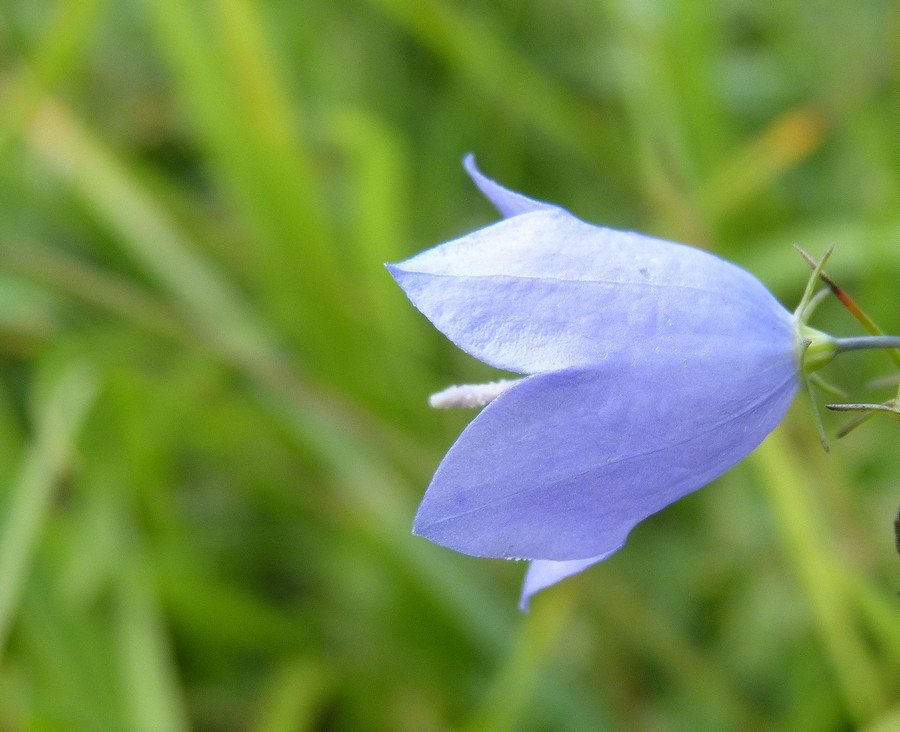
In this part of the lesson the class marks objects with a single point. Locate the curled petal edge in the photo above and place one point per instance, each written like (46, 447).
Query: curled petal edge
(507, 202)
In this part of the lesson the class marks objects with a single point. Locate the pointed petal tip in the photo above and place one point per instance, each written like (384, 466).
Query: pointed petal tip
(507, 202)
(396, 270)
(419, 527)
(430, 527)
(542, 574)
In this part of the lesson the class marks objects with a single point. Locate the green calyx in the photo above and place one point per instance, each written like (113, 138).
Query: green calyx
(816, 349)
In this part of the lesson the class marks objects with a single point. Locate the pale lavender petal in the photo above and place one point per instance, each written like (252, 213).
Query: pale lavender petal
(542, 573)
(507, 202)
(563, 465)
(544, 291)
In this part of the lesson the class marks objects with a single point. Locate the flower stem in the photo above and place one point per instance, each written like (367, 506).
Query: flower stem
(863, 342)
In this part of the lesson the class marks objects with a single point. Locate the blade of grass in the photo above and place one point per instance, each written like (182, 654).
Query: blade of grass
(64, 273)
(71, 683)
(688, 666)
(653, 107)
(511, 694)
(57, 421)
(467, 44)
(123, 299)
(309, 268)
(62, 41)
(783, 144)
(879, 612)
(378, 219)
(210, 303)
(293, 699)
(284, 166)
(696, 51)
(793, 500)
(148, 676)
(228, 81)
(888, 721)
(148, 232)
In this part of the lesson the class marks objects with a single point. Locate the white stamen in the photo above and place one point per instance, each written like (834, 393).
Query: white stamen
(469, 396)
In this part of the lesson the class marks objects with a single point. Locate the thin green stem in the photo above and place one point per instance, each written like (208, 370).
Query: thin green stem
(860, 343)
(888, 407)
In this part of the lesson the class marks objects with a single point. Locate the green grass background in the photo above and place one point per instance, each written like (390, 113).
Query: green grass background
(213, 420)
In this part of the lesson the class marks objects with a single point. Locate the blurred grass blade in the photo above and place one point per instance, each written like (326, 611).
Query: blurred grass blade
(148, 674)
(227, 78)
(887, 721)
(879, 611)
(512, 693)
(661, 149)
(378, 217)
(66, 274)
(785, 143)
(285, 171)
(57, 421)
(67, 35)
(147, 232)
(687, 665)
(796, 510)
(466, 42)
(156, 242)
(70, 653)
(293, 700)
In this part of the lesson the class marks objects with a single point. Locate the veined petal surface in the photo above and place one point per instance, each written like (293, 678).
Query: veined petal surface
(564, 464)
(544, 291)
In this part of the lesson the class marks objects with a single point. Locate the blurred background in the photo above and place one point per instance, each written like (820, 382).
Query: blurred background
(213, 422)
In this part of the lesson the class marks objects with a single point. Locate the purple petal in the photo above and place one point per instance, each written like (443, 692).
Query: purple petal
(507, 202)
(542, 573)
(544, 291)
(563, 465)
